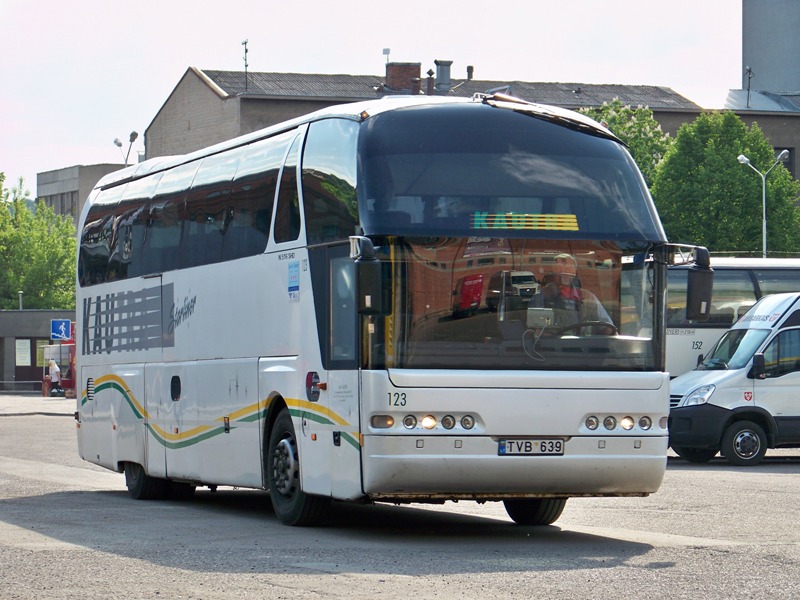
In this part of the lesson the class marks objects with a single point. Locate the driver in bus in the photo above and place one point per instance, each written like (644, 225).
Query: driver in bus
(561, 290)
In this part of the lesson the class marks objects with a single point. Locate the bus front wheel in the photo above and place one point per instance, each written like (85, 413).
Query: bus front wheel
(535, 511)
(292, 505)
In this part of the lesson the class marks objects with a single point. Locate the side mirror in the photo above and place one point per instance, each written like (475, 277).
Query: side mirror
(699, 286)
(369, 282)
(759, 369)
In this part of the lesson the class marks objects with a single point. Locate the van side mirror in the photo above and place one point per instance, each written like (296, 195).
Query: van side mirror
(369, 282)
(759, 370)
(699, 285)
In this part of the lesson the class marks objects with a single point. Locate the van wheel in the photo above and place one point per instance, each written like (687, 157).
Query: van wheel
(142, 486)
(535, 511)
(695, 455)
(744, 443)
(292, 505)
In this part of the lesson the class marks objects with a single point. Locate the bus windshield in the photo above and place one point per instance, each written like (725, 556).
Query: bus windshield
(505, 175)
(452, 303)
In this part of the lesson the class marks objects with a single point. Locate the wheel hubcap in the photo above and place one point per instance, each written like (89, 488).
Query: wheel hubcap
(284, 466)
(747, 444)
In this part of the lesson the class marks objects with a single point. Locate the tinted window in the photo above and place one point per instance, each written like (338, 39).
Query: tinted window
(329, 181)
(130, 227)
(208, 209)
(287, 216)
(733, 294)
(165, 219)
(475, 170)
(96, 237)
(252, 197)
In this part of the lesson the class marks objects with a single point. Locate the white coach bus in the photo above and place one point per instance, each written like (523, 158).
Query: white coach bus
(738, 284)
(276, 312)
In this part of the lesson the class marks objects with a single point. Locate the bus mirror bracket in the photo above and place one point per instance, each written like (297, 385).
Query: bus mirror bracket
(369, 281)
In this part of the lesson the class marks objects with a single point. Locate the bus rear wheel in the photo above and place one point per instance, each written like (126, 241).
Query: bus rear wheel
(535, 511)
(292, 505)
(142, 486)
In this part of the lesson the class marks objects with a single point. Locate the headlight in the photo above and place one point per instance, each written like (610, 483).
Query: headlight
(699, 395)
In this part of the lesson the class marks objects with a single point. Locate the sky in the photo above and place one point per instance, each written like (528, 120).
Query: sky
(76, 75)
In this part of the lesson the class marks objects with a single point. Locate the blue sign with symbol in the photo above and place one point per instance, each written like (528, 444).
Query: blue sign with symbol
(60, 329)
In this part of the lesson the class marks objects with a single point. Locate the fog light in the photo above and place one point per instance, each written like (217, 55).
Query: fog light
(645, 423)
(428, 422)
(627, 423)
(609, 423)
(448, 421)
(381, 421)
(592, 423)
(662, 422)
(467, 422)
(409, 421)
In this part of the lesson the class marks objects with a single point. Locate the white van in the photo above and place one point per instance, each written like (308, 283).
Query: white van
(745, 395)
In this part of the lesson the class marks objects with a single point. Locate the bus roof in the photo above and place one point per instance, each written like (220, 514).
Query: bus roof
(360, 111)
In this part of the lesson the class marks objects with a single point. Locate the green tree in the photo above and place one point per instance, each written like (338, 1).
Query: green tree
(37, 253)
(638, 129)
(705, 196)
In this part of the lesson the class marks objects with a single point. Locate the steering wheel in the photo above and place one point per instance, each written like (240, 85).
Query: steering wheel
(604, 325)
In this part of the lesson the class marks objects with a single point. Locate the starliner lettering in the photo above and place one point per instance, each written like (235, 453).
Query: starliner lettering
(487, 220)
(179, 315)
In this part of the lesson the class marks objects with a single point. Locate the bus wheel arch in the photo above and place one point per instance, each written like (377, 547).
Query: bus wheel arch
(291, 504)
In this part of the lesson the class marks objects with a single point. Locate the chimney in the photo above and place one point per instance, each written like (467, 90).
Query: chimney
(470, 72)
(429, 90)
(443, 76)
(403, 78)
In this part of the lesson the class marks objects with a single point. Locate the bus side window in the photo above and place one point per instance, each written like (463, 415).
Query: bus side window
(329, 181)
(287, 212)
(207, 213)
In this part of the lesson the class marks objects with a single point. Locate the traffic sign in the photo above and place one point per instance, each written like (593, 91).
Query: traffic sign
(60, 329)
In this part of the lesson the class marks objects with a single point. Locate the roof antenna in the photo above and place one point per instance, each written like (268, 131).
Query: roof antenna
(244, 43)
(749, 72)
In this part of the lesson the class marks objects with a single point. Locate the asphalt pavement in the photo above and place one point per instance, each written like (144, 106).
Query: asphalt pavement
(30, 404)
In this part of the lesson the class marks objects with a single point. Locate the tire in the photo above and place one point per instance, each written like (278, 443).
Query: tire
(695, 455)
(535, 511)
(142, 486)
(744, 443)
(292, 505)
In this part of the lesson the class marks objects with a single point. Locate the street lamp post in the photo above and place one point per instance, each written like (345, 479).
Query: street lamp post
(118, 144)
(746, 161)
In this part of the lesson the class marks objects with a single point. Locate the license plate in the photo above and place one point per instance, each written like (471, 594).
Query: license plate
(531, 447)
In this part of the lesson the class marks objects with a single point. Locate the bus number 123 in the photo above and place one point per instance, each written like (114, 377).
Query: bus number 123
(397, 398)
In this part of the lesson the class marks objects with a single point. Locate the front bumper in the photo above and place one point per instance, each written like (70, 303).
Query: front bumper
(697, 426)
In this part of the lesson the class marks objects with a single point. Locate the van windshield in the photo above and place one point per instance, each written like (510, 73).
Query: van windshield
(734, 349)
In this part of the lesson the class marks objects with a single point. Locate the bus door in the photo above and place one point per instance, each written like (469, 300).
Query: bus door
(342, 394)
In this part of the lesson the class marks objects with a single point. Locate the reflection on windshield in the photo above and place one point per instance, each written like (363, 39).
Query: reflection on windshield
(735, 349)
(514, 304)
